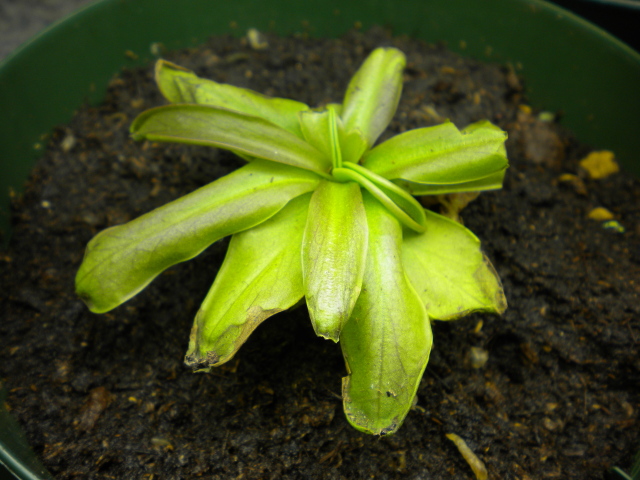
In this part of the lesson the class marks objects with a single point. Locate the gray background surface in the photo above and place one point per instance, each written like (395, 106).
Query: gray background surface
(21, 19)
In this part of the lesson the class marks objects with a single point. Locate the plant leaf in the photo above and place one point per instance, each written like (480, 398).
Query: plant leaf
(180, 85)
(387, 341)
(175, 81)
(218, 127)
(487, 125)
(394, 193)
(492, 182)
(449, 271)
(122, 260)
(315, 126)
(334, 251)
(352, 143)
(373, 94)
(440, 155)
(260, 276)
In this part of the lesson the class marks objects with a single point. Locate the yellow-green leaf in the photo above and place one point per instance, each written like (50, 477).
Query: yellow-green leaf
(218, 127)
(373, 94)
(450, 272)
(180, 85)
(404, 207)
(334, 252)
(440, 154)
(260, 276)
(315, 126)
(316, 129)
(172, 81)
(491, 182)
(352, 143)
(120, 261)
(387, 341)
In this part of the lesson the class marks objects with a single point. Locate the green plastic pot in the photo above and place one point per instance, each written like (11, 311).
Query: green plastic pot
(569, 65)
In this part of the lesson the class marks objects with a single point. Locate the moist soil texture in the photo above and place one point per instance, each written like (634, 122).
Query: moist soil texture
(108, 397)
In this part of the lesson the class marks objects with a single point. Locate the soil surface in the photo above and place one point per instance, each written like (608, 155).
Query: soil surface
(108, 397)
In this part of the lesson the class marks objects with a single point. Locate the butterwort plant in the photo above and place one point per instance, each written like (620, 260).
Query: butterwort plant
(319, 212)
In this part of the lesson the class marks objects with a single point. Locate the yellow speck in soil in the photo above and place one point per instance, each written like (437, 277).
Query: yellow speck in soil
(600, 164)
(600, 214)
(137, 103)
(257, 40)
(546, 116)
(478, 357)
(575, 181)
(162, 442)
(525, 109)
(614, 226)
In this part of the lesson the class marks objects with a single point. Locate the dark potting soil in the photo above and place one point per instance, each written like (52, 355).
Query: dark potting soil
(107, 396)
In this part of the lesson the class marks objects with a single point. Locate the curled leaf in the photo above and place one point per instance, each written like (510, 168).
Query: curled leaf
(385, 196)
(397, 195)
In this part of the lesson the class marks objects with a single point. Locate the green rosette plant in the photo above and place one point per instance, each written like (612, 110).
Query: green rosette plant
(319, 211)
